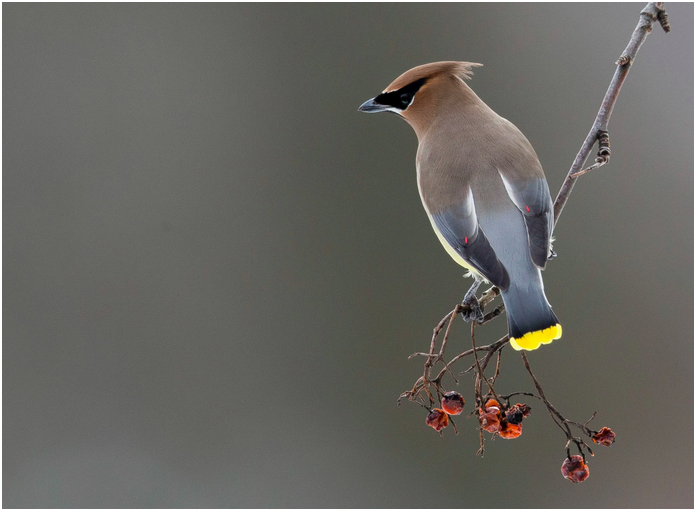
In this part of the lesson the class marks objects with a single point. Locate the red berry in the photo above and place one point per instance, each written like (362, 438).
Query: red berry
(604, 437)
(574, 469)
(452, 403)
(509, 431)
(490, 421)
(437, 419)
(492, 402)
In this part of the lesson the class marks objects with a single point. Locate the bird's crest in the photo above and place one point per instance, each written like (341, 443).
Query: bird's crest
(463, 70)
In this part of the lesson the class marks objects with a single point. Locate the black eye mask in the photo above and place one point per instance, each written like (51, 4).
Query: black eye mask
(402, 97)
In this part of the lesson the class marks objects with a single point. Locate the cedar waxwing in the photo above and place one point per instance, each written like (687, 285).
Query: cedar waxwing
(484, 191)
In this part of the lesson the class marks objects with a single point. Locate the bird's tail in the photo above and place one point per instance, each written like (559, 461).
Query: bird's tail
(530, 319)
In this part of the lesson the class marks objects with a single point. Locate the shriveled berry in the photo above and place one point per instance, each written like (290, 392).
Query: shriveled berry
(452, 403)
(525, 409)
(491, 402)
(604, 437)
(490, 421)
(509, 430)
(437, 419)
(514, 415)
(575, 469)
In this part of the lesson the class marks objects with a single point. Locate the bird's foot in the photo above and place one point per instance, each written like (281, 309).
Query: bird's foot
(472, 310)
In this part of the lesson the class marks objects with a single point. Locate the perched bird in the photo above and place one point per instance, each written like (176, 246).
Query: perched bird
(484, 191)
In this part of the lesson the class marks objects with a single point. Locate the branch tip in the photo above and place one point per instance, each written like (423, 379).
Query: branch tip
(654, 11)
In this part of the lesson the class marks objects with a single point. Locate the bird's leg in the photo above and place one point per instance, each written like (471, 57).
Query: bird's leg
(474, 311)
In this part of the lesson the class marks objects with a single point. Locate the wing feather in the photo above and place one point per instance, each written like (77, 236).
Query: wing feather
(532, 198)
(459, 227)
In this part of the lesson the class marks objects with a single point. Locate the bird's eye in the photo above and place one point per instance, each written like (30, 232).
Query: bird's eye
(405, 98)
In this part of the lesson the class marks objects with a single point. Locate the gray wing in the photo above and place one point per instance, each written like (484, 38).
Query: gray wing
(532, 198)
(459, 227)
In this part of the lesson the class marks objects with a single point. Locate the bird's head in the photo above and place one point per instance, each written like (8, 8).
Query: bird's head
(417, 94)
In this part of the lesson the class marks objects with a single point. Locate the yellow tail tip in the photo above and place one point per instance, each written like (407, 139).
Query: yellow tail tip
(532, 340)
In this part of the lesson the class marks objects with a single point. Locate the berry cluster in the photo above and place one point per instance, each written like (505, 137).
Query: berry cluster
(574, 468)
(506, 424)
(452, 404)
(494, 411)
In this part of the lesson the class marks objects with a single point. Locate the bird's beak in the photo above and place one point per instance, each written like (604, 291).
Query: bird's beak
(372, 107)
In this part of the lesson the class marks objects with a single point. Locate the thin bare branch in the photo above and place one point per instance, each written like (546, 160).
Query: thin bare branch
(649, 15)
(557, 416)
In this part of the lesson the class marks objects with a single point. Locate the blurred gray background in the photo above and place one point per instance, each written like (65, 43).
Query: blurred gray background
(215, 267)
